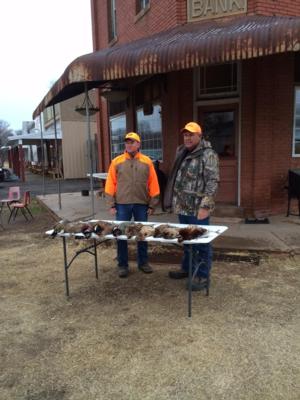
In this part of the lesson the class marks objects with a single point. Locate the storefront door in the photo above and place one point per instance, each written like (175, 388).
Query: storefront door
(220, 125)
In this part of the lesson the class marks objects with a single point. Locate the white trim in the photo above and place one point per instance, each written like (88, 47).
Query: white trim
(294, 124)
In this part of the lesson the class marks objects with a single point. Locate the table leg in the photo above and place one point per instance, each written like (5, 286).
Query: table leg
(66, 266)
(96, 258)
(190, 280)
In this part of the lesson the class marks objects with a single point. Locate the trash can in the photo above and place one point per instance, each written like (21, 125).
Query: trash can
(293, 188)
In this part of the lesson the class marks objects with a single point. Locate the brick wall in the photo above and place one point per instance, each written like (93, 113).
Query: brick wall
(267, 131)
(177, 110)
(162, 15)
(274, 7)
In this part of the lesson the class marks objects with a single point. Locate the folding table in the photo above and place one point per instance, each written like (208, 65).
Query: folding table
(213, 231)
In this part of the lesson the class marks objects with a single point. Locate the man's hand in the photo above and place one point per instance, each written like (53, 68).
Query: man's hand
(113, 210)
(150, 211)
(203, 213)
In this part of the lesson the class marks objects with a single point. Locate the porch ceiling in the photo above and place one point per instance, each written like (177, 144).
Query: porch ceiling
(182, 47)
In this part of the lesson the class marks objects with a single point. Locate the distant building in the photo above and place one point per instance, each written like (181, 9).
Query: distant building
(71, 139)
(73, 148)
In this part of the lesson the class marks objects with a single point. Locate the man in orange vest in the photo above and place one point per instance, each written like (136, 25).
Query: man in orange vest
(132, 190)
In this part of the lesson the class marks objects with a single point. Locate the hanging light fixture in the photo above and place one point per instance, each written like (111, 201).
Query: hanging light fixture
(87, 102)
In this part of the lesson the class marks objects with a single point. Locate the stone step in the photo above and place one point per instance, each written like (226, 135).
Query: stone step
(228, 211)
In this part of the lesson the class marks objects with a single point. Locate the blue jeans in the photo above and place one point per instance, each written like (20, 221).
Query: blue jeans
(124, 213)
(202, 253)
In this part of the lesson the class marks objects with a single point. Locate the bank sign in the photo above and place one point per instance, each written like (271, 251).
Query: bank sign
(204, 9)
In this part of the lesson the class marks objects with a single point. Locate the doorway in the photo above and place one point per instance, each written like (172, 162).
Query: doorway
(220, 126)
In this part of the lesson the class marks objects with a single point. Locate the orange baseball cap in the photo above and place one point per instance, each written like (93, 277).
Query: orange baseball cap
(192, 127)
(133, 136)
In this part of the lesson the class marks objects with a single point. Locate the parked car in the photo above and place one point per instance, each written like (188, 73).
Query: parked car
(7, 175)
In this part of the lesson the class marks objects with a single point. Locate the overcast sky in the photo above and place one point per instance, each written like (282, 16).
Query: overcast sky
(38, 40)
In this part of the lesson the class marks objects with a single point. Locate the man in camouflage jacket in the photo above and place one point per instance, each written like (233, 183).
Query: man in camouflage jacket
(190, 192)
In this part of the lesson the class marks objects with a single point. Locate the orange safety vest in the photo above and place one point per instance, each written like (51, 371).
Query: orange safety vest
(132, 180)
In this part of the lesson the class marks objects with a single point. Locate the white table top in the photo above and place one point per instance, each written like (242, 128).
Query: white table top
(99, 175)
(213, 231)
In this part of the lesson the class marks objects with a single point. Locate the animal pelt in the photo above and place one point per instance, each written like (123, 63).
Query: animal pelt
(79, 227)
(119, 229)
(59, 227)
(166, 231)
(87, 229)
(102, 228)
(191, 232)
(133, 230)
(145, 231)
(128, 229)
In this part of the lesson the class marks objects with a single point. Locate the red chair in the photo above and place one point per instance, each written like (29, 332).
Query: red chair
(21, 205)
(13, 195)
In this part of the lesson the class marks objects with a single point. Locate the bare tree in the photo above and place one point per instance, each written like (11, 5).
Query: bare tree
(5, 132)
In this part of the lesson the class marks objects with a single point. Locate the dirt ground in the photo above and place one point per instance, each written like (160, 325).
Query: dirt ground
(131, 338)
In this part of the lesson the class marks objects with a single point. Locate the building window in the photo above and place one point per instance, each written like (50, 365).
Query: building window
(111, 18)
(219, 128)
(296, 135)
(150, 128)
(217, 81)
(49, 116)
(117, 133)
(141, 5)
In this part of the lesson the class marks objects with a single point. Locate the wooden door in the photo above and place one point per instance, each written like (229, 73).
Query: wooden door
(220, 126)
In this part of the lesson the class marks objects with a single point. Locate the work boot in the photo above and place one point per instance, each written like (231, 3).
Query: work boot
(181, 274)
(146, 268)
(123, 272)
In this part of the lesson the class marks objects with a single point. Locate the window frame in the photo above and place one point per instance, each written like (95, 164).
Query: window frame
(225, 94)
(294, 154)
(112, 21)
(141, 5)
(144, 151)
(141, 9)
(110, 118)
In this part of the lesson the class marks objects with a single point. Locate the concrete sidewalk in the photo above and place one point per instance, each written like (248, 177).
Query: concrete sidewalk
(281, 235)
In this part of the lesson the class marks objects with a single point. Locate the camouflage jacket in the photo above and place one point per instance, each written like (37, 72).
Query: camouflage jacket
(196, 180)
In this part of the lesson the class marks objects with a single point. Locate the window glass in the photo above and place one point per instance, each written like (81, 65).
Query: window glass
(296, 136)
(219, 128)
(217, 80)
(112, 28)
(141, 5)
(150, 129)
(117, 132)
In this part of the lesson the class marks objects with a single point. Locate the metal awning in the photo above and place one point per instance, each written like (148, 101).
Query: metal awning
(31, 138)
(183, 47)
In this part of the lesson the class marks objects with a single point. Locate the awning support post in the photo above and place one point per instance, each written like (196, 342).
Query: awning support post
(87, 113)
(57, 158)
(43, 154)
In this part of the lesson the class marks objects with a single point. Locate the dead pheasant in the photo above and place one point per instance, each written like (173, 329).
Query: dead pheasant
(191, 232)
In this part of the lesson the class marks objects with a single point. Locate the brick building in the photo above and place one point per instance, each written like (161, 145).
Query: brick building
(231, 65)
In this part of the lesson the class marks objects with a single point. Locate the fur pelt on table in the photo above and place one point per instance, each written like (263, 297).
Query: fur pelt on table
(129, 229)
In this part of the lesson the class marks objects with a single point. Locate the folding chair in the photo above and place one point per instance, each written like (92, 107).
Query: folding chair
(21, 205)
(13, 195)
